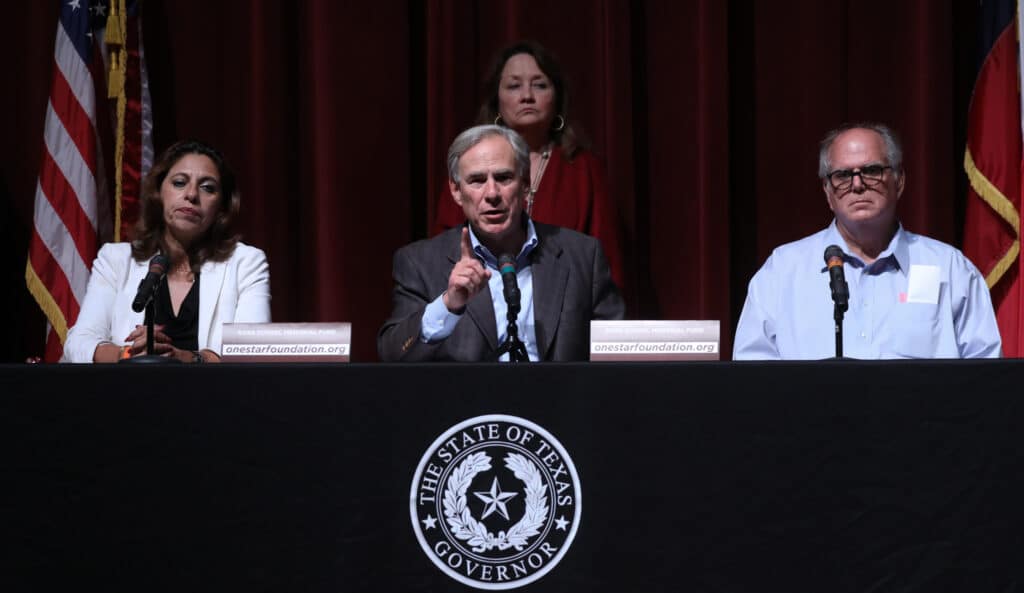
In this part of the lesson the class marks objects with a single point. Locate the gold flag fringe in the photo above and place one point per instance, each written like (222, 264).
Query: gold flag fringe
(117, 42)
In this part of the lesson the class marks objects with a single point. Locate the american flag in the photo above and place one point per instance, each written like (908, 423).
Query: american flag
(72, 206)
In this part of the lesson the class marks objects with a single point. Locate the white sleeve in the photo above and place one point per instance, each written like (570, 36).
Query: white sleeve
(438, 322)
(253, 287)
(755, 333)
(977, 333)
(93, 325)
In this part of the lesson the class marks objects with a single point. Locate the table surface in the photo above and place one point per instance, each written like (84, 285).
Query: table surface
(701, 476)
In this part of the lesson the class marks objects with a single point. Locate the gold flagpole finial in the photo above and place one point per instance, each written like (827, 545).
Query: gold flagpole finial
(115, 32)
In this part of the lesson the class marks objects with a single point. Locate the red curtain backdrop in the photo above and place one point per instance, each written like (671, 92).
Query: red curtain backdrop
(337, 116)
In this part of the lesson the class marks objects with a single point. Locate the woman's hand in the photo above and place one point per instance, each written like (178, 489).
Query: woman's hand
(137, 341)
(181, 355)
(162, 345)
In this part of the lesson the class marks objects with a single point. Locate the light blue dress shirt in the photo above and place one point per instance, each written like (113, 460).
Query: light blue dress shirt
(438, 322)
(788, 313)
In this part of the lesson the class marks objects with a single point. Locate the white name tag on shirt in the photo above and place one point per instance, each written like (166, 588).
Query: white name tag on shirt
(286, 342)
(923, 286)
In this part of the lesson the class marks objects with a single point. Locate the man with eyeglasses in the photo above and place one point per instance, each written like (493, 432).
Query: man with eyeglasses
(909, 296)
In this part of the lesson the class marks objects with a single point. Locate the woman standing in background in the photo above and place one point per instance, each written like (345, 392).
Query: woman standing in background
(526, 91)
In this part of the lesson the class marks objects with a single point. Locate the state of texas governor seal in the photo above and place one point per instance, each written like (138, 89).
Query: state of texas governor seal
(495, 502)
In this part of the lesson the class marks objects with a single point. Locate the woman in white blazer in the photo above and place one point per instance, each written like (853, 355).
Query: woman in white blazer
(188, 204)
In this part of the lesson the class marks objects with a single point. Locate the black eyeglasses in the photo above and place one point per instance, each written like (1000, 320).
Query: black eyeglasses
(870, 176)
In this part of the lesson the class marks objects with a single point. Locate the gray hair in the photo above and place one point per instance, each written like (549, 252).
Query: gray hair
(473, 136)
(893, 148)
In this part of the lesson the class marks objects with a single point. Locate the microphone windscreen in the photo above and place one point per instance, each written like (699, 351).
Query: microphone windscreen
(833, 252)
(159, 264)
(506, 263)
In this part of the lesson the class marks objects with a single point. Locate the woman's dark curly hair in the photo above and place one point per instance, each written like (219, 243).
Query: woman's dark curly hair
(218, 243)
(566, 137)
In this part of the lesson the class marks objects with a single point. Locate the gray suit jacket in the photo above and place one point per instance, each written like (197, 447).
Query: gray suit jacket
(571, 285)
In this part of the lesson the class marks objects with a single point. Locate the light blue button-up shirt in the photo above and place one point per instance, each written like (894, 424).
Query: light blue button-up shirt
(438, 322)
(920, 299)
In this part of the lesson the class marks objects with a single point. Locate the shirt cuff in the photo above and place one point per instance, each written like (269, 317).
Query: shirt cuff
(438, 322)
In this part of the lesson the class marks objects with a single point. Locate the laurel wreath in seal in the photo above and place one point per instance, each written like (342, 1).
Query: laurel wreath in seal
(466, 528)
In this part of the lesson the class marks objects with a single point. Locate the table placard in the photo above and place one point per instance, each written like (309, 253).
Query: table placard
(655, 340)
(286, 342)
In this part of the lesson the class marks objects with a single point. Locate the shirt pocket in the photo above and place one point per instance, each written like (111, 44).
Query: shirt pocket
(914, 329)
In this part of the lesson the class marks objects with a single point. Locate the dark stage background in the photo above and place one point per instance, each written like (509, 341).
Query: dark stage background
(337, 115)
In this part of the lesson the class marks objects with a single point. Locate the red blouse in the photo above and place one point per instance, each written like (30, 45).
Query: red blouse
(572, 194)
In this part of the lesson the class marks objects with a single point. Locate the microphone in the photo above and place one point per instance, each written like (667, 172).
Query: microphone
(513, 345)
(507, 267)
(837, 279)
(147, 288)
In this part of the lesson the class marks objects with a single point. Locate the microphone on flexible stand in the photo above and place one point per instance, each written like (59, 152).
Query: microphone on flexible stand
(144, 300)
(510, 288)
(147, 288)
(834, 258)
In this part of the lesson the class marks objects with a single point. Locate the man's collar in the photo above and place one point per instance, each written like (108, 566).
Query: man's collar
(898, 248)
(522, 258)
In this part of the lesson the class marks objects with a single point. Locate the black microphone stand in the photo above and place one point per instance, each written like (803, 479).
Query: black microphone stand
(150, 357)
(834, 261)
(513, 345)
(838, 315)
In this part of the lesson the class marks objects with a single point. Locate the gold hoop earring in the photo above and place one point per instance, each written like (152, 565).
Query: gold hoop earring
(561, 124)
(497, 120)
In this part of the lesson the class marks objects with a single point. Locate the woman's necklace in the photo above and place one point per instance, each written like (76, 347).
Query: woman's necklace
(183, 271)
(545, 155)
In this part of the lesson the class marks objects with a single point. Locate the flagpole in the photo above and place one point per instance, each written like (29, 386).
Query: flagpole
(116, 35)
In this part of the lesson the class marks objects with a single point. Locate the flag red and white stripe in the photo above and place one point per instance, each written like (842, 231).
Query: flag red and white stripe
(72, 205)
(65, 235)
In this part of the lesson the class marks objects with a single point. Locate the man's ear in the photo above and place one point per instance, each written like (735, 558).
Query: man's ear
(828, 197)
(456, 194)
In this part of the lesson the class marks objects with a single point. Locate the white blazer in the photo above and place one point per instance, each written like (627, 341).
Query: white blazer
(236, 290)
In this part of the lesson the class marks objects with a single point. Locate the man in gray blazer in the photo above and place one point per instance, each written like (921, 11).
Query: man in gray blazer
(448, 302)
